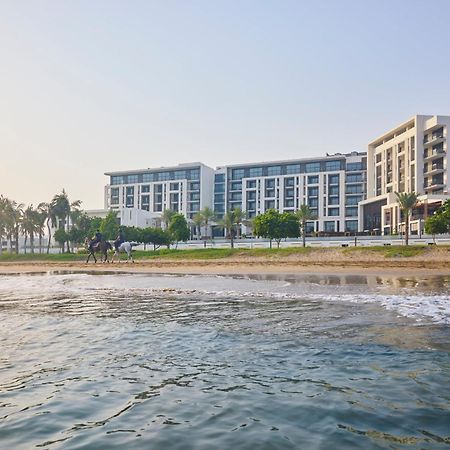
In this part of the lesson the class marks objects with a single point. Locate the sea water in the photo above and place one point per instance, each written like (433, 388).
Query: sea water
(106, 361)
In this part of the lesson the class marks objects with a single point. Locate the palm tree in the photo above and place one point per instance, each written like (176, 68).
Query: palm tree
(303, 215)
(207, 215)
(48, 210)
(228, 222)
(166, 216)
(14, 212)
(239, 217)
(28, 226)
(198, 222)
(407, 202)
(62, 210)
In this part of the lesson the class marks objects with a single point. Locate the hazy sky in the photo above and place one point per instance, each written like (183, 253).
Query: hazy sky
(93, 86)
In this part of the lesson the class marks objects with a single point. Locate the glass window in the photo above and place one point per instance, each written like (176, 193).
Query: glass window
(332, 165)
(333, 200)
(270, 183)
(312, 167)
(236, 186)
(117, 180)
(353, 189)
(329, 225)
(333, 190)
(132, 179)
(289, 192)
(333, 211)
(237, 174)
(355, 166)
(292, 168)
(194, 174)
(145, 199)
(313, 179)
(333, 179)
(130, 190)
(174, 186)
(194, 196)
(289, 181)
(219, 207)
(351, 212)
(255, 172)
(313, 202)
(251, 184)
(351, 225)
(251, 206)
(274, 170)
(194, 186)
(218, 198)
(355, 178)
(270, 204)
(313, 192)
(145, 188)
(251, 195)
(219, 178)
(353, 200)
(180, 175)
(289, 203)
(114, 196)
(219, 187)
(146, 177)
(236, 196)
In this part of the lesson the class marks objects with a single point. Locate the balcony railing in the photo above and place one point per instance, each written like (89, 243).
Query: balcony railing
(433, 140)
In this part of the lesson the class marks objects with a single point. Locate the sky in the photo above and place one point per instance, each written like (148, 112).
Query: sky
(91, 86)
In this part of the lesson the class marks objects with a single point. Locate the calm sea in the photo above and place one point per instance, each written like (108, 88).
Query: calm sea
(101, 361)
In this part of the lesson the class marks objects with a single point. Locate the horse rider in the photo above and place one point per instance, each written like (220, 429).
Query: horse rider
(119, 240)
(96, 239)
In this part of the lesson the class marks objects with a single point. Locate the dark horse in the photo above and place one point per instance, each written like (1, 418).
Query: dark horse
(100, 247)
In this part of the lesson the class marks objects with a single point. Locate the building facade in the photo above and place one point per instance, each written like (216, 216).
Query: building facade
(412, 157)
(140, 196)
(331, 186)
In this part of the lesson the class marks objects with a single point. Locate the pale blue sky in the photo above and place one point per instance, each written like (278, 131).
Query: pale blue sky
(94, 86)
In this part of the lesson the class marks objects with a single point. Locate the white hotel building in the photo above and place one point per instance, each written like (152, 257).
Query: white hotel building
(413, 157)
(332, 186)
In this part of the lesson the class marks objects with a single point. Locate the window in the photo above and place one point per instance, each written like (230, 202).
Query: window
(312, 167)
(270, 204)
(145, 188)
(356, 189)
(251, 184)
(194, 186)
(194, 174)
(313, 192)
(333, 200)
(129, 201)
(313, 179)
(351, 212)
(292, 168)
(289, 181)
(236, 196)
(355, 178)
(237, 174)
(219, 198)
(333, 190)
(179, 175)
(313, 202)
(353, 200)
(117, 180)
(145, 200)
(236, 186)
(251, 206)
(174, 186)
(255, 172)
(146, 177)
(274, 170)
(289, 203)
(333, 211)
(329, 226)
(333, 179)
(132, 179)
(220, 207)
(332, 165)
(351, 225)
(355, 166)
(114, 196)
(194, 196)
(251, 195)
(219, 178)
(270, 183)
(289, 192)
(219, 187)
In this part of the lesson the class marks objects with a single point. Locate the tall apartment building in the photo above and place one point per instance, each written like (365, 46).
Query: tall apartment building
(412, 157)
(140, 196)
(331, 186)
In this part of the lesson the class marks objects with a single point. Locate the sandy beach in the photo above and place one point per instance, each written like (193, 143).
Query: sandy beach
(434, 262)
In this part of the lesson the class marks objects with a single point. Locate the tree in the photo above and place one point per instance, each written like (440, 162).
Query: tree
(436, 224)
(228, 223)
(61, 237)
(407, 202)
(62, 208)
(29, 226)
(50, 219)
(276, 226)
(239, 217)
(178, 228)
(207, 215)
(198, 222)
(109, 226)
(166, 217)
(304, 214)
(160, 237)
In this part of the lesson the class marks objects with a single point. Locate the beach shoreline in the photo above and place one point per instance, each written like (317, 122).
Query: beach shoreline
(403, 267)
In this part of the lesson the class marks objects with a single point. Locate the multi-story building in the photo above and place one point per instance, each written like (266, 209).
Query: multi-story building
(331, 186)
(140, 196)
(412, 157)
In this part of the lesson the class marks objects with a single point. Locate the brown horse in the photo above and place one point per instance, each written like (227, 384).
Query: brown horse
(101, 247)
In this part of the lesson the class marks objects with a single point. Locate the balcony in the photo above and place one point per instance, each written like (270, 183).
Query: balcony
(436, 153)
(434, 170)
(435, 139)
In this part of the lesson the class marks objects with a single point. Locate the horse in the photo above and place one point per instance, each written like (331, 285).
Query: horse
(125, 247)
(101, 247)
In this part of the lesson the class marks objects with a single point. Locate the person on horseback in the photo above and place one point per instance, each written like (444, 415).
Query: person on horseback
(119, 240)
(96, 239)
